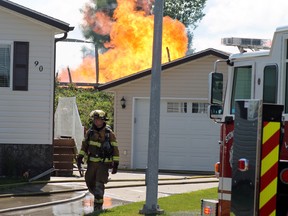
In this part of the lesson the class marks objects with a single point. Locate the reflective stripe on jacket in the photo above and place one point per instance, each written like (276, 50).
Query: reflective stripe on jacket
(92, 143)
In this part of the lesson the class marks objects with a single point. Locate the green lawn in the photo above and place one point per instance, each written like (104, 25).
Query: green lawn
(176, 205)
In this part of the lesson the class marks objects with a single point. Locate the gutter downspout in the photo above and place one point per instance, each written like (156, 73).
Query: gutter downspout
(54, 84)
(56, 40)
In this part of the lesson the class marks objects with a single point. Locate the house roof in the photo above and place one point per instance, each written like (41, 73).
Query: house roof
(35, 15)
(166, 66)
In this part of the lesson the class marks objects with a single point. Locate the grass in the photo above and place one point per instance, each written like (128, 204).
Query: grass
(176, 205)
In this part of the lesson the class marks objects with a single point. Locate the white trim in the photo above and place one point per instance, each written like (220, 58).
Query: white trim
(11, 43)
(230, 80)
(52, 84)
(224, 188)
(132, 128)
(225, 184)
(224, 196)
(249, 55)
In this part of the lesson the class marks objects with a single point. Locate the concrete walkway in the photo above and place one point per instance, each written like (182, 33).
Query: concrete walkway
(70, 194)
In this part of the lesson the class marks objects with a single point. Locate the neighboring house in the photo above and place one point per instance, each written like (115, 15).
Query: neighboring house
(188, 138)
(27, 71)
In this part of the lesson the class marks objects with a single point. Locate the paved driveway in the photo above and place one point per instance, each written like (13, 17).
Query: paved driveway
(77, 197)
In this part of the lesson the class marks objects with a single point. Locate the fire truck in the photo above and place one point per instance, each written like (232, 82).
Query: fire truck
(251, 105)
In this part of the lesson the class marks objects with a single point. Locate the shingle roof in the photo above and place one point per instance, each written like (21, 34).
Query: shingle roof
(35, 15)
(177, 62)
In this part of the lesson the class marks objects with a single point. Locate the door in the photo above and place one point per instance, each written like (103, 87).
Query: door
(188, 138)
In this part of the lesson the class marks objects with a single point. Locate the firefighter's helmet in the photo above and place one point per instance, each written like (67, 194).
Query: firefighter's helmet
(98, 114)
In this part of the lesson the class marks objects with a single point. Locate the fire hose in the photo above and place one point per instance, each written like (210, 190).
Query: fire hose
(85, 191)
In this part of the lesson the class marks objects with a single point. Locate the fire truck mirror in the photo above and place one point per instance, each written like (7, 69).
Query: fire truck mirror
(215, 88)
(215, 111)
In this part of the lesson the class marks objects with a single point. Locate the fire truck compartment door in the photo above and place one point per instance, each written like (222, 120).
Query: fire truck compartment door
(245, 149)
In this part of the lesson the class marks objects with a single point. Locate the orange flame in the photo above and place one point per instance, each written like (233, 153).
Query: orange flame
(131, 44)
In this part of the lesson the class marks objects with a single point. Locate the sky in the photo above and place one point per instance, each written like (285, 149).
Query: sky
(224, 18)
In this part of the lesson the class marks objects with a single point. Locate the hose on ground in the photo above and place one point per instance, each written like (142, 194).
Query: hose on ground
(82, 195)
(42, 193)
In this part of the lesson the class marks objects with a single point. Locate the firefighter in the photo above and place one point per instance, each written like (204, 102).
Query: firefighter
(101, 148)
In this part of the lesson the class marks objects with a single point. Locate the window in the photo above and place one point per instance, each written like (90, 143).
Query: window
(270, 84)
(20, 60)
(241, 85)
(176, 107)
(199, 107)
(5, 64)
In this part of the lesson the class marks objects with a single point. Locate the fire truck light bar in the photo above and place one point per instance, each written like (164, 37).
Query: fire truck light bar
(247, 43)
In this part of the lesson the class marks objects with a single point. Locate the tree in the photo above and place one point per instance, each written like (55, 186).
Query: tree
(189, 13)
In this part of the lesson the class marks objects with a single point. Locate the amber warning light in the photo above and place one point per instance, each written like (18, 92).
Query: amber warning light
(209, 207)
(207, 210)
(217, 169)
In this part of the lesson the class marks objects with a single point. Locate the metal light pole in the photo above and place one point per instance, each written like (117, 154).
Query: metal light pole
(151, 207)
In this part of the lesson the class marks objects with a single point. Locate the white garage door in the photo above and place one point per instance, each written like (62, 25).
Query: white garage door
(188, 138)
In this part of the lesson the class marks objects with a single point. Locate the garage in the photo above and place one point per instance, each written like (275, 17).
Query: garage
(188, 138)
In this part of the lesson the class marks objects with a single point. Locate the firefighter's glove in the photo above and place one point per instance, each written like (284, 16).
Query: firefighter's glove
(114, 167)
(80, 160)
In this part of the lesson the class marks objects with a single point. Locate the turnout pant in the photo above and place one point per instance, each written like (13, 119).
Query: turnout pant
(96, 177)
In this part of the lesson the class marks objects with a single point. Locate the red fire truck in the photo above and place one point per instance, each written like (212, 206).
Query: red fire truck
(252, 108)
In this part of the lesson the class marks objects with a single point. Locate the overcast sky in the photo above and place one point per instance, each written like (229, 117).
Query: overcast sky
(224, 18)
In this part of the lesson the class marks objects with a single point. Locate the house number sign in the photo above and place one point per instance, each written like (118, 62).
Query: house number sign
(40, 67)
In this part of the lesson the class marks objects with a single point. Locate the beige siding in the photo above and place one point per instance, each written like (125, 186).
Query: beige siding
(30, 113)
(189, 80)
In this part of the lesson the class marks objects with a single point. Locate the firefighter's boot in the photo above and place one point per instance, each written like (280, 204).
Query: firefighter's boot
(98, 206)
(98, 197)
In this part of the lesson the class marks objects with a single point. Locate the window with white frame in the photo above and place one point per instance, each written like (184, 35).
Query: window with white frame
(199, 107)
(5, 64)
(14, 65)
(177, 107)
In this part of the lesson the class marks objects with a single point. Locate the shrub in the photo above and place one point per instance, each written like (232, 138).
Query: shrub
(87, 99)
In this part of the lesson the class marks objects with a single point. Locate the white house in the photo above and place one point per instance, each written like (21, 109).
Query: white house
(188, 138)
(27, 68)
